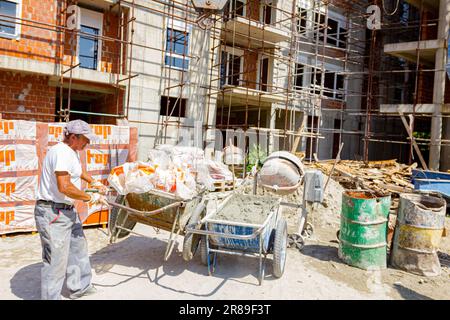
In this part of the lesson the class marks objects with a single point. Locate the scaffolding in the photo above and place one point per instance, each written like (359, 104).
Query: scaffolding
(322, 77)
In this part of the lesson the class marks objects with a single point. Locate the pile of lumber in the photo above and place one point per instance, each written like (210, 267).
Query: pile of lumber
(382, 177)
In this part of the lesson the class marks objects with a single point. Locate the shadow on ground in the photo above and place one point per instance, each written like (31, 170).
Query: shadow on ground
(320, 252)
(444, 259)
(26, 283)
(146, 254)
(409, 294)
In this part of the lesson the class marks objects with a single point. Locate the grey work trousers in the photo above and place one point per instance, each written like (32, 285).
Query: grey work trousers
(64, 251)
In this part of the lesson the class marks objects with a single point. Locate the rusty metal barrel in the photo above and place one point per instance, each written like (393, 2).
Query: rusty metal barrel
(420, 223)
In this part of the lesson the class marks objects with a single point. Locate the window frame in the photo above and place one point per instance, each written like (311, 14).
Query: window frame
(230, 10)
(303, 33)
(269, 84)
(234, 52)
(312, 17)
(339, 96)
(341, 25)
(179, 26)
(91, 19)
(17, 26)
(273, 6)
(181, 101)
(299, 65)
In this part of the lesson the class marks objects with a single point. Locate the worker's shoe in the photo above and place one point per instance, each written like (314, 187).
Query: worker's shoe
(89, 291)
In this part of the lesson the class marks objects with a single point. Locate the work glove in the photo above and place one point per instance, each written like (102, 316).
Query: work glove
(97, 199)
(99, 186)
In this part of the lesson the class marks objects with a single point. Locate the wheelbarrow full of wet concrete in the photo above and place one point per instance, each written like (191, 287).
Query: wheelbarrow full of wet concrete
(244, 225)
(161, 210)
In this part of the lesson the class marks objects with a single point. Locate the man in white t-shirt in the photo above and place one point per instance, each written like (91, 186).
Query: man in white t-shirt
(64, 246)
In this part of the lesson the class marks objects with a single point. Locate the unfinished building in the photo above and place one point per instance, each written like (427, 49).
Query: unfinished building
(307, 75)
(413, 82)
(49, 71)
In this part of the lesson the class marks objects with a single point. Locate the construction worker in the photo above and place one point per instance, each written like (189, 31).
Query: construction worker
(64, 246)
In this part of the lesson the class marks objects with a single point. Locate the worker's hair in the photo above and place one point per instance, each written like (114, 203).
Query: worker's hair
(68, 134)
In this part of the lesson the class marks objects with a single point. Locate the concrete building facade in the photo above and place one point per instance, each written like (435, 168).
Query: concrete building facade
(426, 54)
(37, 52)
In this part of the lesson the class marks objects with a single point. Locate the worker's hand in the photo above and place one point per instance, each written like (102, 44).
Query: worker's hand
(97, 198)
(99, 186)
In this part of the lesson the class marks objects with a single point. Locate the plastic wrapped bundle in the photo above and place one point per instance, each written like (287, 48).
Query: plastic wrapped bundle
(141, 177)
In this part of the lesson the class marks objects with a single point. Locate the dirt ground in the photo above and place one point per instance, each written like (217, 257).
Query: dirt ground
(133, 268)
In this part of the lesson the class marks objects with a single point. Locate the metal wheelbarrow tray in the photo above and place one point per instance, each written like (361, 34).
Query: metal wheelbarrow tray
(221, 235)
(433, 181)
(158, 209)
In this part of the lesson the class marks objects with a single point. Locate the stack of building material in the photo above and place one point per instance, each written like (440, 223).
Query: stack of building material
(387, 176)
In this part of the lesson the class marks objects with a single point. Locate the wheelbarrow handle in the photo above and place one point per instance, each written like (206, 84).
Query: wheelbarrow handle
(147, 213)
(225, 235)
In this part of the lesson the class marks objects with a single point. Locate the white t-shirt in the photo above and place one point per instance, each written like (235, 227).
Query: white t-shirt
(60, 157)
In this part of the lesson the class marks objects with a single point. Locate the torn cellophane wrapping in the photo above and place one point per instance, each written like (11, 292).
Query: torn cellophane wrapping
(173, 169)
(141, 177)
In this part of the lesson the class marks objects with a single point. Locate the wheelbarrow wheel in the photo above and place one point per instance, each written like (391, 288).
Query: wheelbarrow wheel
(191, 241)
(279, 248)
(203, 251)
(116, 218)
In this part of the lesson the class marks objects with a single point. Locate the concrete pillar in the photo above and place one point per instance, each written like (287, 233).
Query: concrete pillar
(272, 143)
(439, 85)
(445, 152)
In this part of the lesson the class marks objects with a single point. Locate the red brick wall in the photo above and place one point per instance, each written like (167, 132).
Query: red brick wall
(110, 49)
(252, 10)
(108, 104)
(250, 69)
(39, 44)
(18, 91)
(341, 4)
(332, 104)
(34, 43)
(428, 32)
(447, 91)
(425, 87)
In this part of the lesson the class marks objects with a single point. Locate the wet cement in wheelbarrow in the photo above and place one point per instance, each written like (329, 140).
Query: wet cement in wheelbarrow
(246, 209)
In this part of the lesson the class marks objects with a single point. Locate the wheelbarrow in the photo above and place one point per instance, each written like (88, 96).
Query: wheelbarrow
(220, 235)
(158, 209)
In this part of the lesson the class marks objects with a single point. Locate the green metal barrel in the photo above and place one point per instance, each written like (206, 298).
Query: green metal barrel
(362, 237)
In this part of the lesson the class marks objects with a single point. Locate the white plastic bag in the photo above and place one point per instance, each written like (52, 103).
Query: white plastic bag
(218, 170)
(138, 182)
(204, 177)
(159, 158)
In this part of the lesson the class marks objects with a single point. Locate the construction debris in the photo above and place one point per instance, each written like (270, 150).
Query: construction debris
(387, 176)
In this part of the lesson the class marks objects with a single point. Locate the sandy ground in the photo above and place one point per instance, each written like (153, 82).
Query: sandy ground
(133, 268)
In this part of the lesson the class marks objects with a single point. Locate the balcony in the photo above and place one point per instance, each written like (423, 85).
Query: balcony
(427, 108)
(234, 95)
(408, 50)
(241, 29)
(430, 5)
(50, 69)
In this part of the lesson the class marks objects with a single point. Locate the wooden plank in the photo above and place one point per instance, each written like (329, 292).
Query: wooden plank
(416, 147)
(338, 157)
(297, 138)
(394, 188)
(382, 163)
(402, 182)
